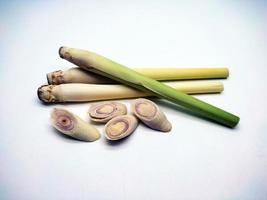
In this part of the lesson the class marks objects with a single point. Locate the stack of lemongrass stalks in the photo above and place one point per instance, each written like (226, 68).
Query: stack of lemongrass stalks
(98, 78)
(78, 85)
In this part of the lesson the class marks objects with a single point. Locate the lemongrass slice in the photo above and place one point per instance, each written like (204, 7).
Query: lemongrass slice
(98, 64)
(79, 92)
(150, 114)
(120, 127)
(73, 126)
(78, 75)
(104, 111)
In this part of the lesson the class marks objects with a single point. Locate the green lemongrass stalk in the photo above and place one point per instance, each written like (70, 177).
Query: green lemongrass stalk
(103, 66)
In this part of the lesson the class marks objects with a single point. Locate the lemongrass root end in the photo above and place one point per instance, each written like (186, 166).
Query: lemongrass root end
(55, 78)
(44, 93)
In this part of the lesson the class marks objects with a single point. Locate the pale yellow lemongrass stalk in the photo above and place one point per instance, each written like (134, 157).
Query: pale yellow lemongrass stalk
(79, 92)
(78, 75)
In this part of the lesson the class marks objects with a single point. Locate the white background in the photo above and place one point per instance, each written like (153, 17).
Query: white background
(196, 160)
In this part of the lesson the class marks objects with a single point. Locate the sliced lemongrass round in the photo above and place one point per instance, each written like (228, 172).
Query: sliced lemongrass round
(104, 111)
(73, 126)
(150, 114)
(120, 127)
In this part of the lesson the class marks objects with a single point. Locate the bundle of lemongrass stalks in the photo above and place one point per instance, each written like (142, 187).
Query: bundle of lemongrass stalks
(98, 78)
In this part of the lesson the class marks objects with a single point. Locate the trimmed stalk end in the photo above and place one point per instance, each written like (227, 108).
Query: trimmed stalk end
(61, 51)
(221, 88)
(55, 78)
(64, 52)
(227, 72)
(44, 93)
(49, 78)
(237, 119)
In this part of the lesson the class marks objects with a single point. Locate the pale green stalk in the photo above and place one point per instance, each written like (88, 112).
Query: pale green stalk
(103, 66)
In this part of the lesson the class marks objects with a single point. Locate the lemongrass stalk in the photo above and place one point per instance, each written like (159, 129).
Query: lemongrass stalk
(79, 92)
(184, 73)
(78, 75)
(103, 66)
